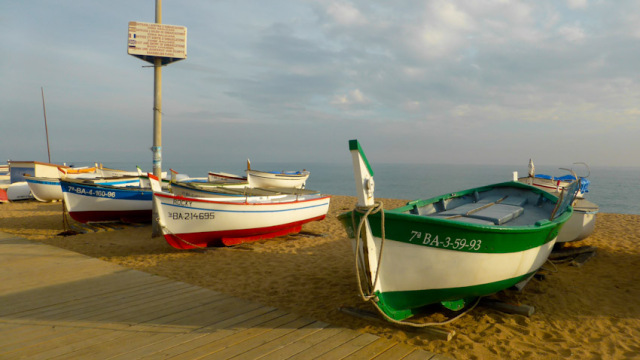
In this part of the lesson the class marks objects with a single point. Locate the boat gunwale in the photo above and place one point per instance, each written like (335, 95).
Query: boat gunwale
(135, 188)
(206, 200)
(294, 174)
(401, 214)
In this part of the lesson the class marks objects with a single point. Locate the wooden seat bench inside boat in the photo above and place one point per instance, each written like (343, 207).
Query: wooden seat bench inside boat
(478, 209)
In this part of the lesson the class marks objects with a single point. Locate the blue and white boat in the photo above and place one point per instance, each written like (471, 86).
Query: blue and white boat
(47, 189)
(86, 201)
(583, 221)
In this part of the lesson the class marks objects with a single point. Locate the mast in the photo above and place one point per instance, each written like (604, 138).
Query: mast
(46, 129)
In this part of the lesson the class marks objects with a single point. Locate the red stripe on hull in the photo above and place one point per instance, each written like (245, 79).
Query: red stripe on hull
(3, 196)
(134, 216)
(234, 237)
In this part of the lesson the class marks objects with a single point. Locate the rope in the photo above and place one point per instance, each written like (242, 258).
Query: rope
(416, 325)
(555, 268)
(65, 221)
(179, 238)
(370, 296)
(367, 210)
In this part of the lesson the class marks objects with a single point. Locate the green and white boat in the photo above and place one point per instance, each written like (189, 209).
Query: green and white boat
(450, 249)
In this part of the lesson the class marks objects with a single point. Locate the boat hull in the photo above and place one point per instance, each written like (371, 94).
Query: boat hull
(49, 189)
(430, 258)
(189, 223)
(225, 177)
(19, 191)
(264, 179)
(101, 203)
(45, 189)
(581, 224)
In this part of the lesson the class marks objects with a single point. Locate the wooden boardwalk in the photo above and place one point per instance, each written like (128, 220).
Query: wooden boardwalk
(57, 304)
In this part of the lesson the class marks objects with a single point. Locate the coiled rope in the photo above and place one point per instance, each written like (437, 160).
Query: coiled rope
(378, 206)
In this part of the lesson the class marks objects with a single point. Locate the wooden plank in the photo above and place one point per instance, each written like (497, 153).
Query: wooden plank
(399, 351)
(237, 314)
(348, 347)
(234, 337)
(147, 292)
(326, 345)
(18, 281)
(303, 344)
(21, 304)
(72, 345)
(275, 339)
(92, 327)
(96, 315)
(218, 331)
(235, 349)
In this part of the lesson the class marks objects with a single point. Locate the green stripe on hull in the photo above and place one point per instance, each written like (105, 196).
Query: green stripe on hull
(400, 305)
(457, 236)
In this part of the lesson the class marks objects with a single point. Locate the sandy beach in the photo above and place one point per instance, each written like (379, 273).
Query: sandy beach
(581, 312)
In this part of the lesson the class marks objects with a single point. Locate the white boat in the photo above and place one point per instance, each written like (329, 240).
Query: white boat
(277, 179)
(44, 189)
(225, 177)
(452, 248)
(198, 222)
(556, 184)
(86, 201)
(215, 189)
(583, 221)
(108, 172)
(581, 224)
(48, 189)
(18, 191)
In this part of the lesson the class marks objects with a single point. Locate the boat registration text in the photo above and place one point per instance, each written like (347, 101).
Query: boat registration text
(445, 242)
(92, 192)
(191, 215)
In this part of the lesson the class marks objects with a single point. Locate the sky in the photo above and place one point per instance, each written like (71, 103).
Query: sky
(429, 81)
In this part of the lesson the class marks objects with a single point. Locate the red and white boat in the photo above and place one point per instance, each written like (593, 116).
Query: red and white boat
(198, 222)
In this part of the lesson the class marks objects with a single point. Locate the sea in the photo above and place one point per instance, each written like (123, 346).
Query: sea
(614, 189)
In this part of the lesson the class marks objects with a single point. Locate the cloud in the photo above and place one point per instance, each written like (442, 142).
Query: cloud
(346, 14)
(577, 4)
(353, 97)
(572, 33)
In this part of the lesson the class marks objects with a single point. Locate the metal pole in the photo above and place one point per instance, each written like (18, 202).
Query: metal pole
(157, 105)
(46, 129)
(157, 125)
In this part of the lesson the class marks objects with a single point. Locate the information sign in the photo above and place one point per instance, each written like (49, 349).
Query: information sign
(150, 40)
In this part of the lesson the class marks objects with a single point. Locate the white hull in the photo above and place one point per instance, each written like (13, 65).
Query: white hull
(581, 224)
(81, 203)
(407, 267)
(263, 179)
(225, 177)
(103, 203)
(19, 191)
(206, 220)
(45, 189)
